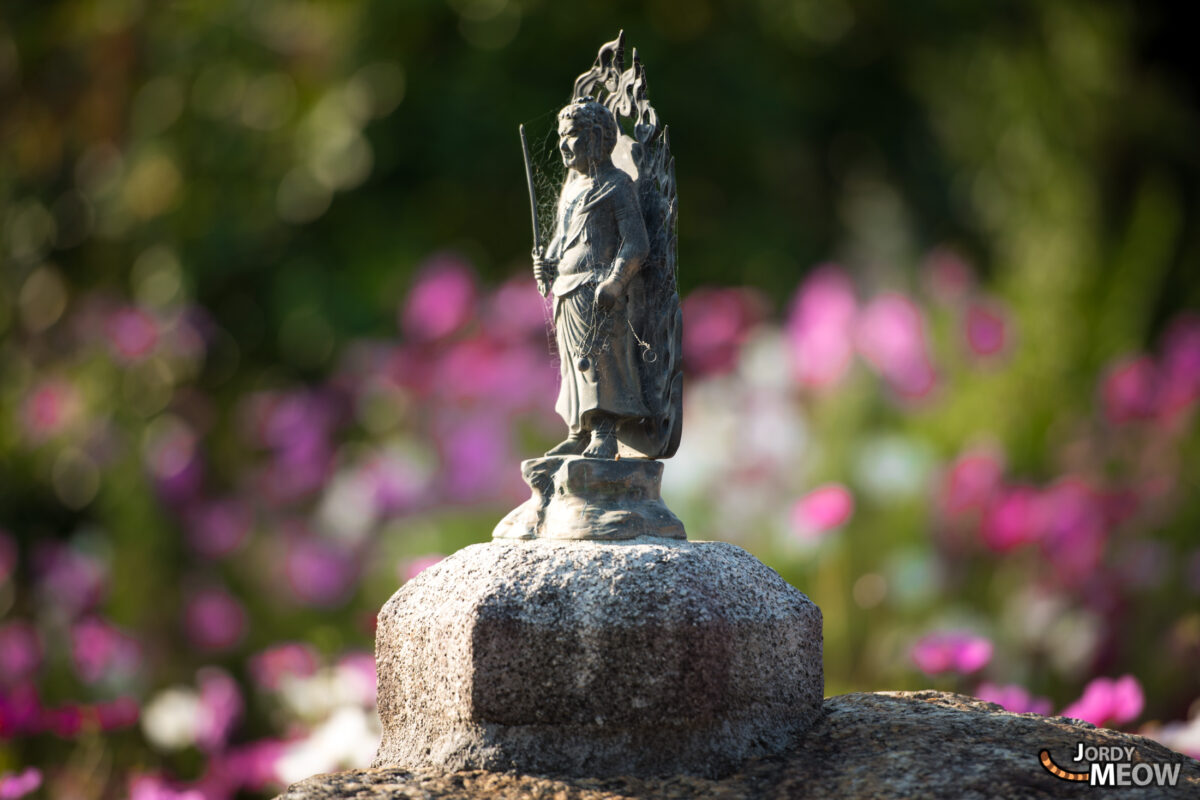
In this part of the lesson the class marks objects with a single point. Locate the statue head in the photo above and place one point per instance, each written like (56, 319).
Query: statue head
(587, 134)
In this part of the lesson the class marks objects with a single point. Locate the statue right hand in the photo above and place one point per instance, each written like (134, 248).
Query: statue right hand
(544, 269)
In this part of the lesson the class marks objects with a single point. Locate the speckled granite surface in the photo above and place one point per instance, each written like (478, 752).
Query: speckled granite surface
(881, 745)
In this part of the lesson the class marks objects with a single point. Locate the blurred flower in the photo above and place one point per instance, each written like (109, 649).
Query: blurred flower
(116, 714)
(68, 578)
(820, 327)
(475, 452)
(249, 766)
(20, 710)
(153, 787)
(19, 784)
(20, 652)
(1182, 737)
(821, 510)
(275, 664)
(1074, 534)
(132, 333)
(1108, 702)
(216, 528)
(357, 674)
(347, 739)
(891, 337)
(971, 482)
(1014, 698)
(52, 405)
(99, 649)
(1130, 390)
(1180, 369)
(172, 456)
(213, 619)
(515, 312)
(951, 651)
(218, 710)
(986, 329)
(171, 718)
(319, 572)
(413, 567)
(397, 479)
(716, 323)
(947, 276)
(1012, 519)
(441, 300)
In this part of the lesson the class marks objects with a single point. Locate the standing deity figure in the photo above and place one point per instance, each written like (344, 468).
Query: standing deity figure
(610, 267)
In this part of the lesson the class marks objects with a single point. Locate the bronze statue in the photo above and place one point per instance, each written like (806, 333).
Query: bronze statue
(610, 267)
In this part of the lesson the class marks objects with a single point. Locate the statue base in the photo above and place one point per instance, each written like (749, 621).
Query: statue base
(575, 497)
(645, 657)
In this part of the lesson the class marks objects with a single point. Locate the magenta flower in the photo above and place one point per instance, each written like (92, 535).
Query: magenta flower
(49, 408)
(891, 337)
(476, 451)
(220, 708)
(1075, 530)
(822, 510)
(251, 766)
(216, 528)
(1108, 702)
(19, 784)
(1180, 386)
(117, 714)
(132, 333)
(214, 620)
(716, 323)
(413, 567)
(1014, 698)
(515, 312)
(947, 276)
(1012, 519)
(20, 652)
(358, 668)
(971, 482)
(1129, 390)
(100, 650)
(319, 572)
(441, 301)
(820, 327)
(986, 329)
(951, 651)
(67, 578)
(20, 710)
(273, 666)
(153, 787)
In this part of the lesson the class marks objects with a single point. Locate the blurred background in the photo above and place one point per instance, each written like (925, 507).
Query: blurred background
(269, 345)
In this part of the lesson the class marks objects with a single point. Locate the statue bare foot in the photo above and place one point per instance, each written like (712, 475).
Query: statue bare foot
(604, 445)
(573, 445)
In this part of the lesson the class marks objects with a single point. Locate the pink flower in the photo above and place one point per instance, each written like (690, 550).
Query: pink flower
(475, 451)
(220, 708)
(117, 714)
(132, 333)
(1108, 702)
(947, 276)
(153, 787)
(1075, 531)
(821, 510)
(359, 670)
(891, 337)
(1014, 698)
(415, 566)
(1129, 390)
(319, 572)
(1180, 386)
(441, 301)
(971, 482)
(820, 327)
(69, 579)
(218, 527)
(214, 620)
(515, 312)
(20, 652)
(252, 765)
(19, 784)
(1012, 519)
(21, 710)
(99, 649)
(716, 323)
(951, 651)
(986, 329)
(50, 408)
(273, 666)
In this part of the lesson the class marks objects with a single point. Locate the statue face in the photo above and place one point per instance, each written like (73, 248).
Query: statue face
(575, 144)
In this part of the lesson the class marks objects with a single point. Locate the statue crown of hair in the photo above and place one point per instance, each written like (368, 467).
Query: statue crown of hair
(592, 114)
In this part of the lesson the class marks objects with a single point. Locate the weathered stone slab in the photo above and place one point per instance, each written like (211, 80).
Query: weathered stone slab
(884, 746)
(594, 658)
(591, 498)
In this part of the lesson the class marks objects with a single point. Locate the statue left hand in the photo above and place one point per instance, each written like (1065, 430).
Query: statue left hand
(608, 293)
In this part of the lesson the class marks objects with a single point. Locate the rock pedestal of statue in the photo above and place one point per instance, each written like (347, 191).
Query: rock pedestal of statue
(639, 657)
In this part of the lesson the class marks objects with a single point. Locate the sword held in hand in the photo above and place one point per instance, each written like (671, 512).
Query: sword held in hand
(543, 283)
